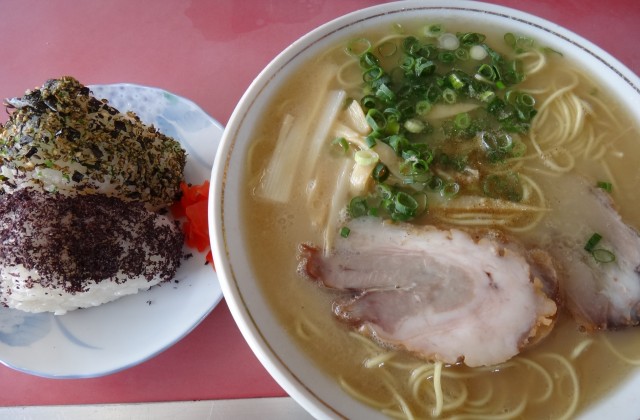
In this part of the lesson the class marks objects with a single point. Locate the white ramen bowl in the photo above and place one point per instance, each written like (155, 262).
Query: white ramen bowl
(319, 394)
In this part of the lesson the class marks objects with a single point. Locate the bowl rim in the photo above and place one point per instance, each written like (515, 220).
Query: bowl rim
(219, 233)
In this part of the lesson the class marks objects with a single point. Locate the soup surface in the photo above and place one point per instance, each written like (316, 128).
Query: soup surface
(576, 129)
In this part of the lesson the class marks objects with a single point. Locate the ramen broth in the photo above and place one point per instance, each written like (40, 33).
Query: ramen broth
(567, 371)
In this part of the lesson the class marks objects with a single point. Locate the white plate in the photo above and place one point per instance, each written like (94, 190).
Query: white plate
(118, 335)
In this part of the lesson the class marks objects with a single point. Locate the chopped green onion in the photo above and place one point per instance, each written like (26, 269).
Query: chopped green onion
(435, 183)
(342, 142)
(603, 255)
(344, 232)
(368, 60)
(449, 96)
(487, 71)
(422, 200)
(407, 64)
(455, 81)
(357, 47)
(450, 189)
(477, 52)
(398, 143)
(414, 125)
(380, 172)
(366, 157)
(370, 141)
(423, 67)
(472, 38)
(524, 42)
(462, 120)
(373, 74)
(510, 39)
(376, 120)
(592, 242)
(393, 127)
(497, 146)
(358, 207)
(448, 41)
(411, 45)
(368, 102)
(433, 93)
(400, 95)
(423, 108)
(446, 57)
(462, 54)
(392, 114)
(385, 93)
(607, 186)
(487, 96)
(385, 191)
(518, 149)
(405, 204)
(433, 30)
(524, 99)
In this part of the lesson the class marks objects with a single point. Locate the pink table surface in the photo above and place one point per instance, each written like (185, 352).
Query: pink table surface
(208, 51)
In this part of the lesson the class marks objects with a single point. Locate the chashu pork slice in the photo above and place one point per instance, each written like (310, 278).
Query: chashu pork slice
(59, 253)
(599, 295)
(441, 294)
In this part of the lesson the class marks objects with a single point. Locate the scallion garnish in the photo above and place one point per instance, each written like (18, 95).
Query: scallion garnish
(510, 39)
(449, 96)
(370, 141)
(447, 57)
(462, 54)
(607, 186)
(450, 189)
(433, 30)
(471, 38)
(380, 172)
(405, 204)
(366, 157)
(456, 81)
(414, 125)
(477, 52)
(357, 47)
(358, 207)
(376, 120)
(385, 93)
(423, 67)
(409, 84)
(486, 73)
(345, 231)
(592, 242)
(601, 255)
(462, 120)
(342, 142)
(423, 108)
